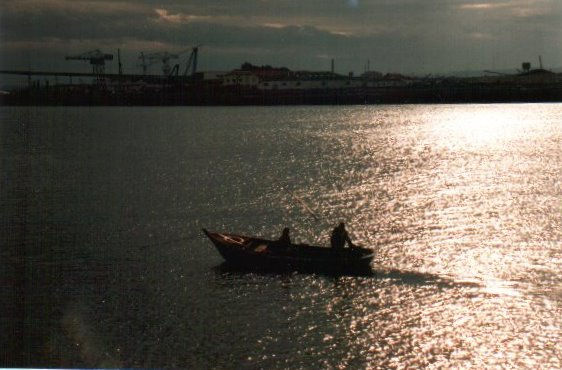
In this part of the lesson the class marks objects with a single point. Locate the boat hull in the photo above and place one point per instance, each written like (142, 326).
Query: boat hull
(267, 255)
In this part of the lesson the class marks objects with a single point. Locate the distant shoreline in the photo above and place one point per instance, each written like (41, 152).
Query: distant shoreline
(222, 97)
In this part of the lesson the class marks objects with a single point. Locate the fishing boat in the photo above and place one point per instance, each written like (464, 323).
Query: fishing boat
(271, 255)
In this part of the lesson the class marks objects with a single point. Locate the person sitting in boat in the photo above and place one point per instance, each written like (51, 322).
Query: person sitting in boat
(340, 237)
(284, 239)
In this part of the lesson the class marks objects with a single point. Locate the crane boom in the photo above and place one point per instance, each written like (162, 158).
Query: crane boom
(192, 61)
(149, 59)
(95, 57)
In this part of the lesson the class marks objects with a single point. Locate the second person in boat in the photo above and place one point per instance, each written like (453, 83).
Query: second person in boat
(340, 237)
(284, 240)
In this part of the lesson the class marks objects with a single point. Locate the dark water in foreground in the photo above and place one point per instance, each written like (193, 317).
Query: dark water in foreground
(105, 264)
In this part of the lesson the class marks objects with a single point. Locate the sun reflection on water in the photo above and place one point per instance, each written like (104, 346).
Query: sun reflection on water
(480, 127)
(462, 193)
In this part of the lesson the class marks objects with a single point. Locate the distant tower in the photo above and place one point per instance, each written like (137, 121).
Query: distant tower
(332, 70)
(119, 59)
(540, 62)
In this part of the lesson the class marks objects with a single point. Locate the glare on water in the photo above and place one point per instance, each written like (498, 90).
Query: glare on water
(470, 193)
(462, 204)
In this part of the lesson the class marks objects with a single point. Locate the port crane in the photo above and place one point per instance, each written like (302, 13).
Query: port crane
(191, 64)
(192, 61)
(96, 58)
(149, 59)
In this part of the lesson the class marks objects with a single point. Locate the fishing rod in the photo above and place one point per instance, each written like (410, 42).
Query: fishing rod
(305, 206)
(311, 212)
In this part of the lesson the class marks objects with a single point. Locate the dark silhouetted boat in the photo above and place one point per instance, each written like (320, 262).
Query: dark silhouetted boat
(269, 255)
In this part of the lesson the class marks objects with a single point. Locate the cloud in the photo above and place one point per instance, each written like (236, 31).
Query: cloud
(399, 35)
(516, 8)
(484, 6)
(186, 18)
(94, 7)
(480, 36)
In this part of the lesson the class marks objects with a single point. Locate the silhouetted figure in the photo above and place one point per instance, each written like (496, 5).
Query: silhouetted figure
(340, 237)
(284, 239)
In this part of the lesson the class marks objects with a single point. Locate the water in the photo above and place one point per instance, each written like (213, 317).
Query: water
(106, 265)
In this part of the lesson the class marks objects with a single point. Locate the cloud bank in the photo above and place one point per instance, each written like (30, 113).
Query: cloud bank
(408, 36)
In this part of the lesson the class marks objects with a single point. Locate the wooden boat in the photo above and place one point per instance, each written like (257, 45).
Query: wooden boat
(270, 255)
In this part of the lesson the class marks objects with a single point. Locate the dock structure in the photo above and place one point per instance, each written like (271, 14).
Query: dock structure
(267, 85)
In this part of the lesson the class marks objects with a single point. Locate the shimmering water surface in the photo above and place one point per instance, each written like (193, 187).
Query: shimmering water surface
(106, 264)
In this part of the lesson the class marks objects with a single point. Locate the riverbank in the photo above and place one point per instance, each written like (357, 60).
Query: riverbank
(212, 95)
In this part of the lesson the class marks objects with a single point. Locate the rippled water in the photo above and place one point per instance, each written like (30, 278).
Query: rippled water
(107, 266)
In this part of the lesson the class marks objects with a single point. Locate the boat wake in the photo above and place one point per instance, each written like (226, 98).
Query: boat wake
(422, 278)
(398, 276)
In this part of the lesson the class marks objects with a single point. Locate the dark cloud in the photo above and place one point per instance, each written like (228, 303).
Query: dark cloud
(399, 35)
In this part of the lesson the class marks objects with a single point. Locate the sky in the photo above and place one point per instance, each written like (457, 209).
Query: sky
(401, 36)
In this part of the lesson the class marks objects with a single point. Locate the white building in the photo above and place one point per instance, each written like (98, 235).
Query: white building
(308, 84)
(240, 78)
